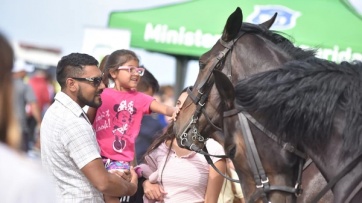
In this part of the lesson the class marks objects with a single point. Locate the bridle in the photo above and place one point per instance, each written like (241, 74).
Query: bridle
(261, 180)
(203, 90)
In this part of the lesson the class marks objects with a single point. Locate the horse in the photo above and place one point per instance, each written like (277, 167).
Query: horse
(315, 105)
(243, 50)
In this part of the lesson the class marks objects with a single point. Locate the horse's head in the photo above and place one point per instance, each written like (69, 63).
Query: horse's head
(268, 171)
(244, 49)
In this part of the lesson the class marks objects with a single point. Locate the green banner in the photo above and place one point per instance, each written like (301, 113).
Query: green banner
(191, 28)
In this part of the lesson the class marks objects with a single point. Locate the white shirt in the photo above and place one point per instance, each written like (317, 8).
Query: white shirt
(23, 180)
(68, 143)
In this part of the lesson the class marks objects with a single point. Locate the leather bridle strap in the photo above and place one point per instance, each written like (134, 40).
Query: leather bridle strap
(331, 183)
(254, 161)
(209, 161)
(202, 94)
(195, 101)
(260, 178)
(286, 146)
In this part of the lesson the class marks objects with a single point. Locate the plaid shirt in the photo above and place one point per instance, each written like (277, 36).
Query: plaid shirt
(68, 143)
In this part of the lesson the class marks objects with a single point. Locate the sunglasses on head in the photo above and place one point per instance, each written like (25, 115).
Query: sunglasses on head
(133, 69)
(96, 81)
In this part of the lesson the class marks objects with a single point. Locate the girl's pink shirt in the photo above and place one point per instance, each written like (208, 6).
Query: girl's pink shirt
(118, 121)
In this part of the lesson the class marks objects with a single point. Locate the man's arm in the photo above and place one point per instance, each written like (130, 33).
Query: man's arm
(35, 110)
(108, 183)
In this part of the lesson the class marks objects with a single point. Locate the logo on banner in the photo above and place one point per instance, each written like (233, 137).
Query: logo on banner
(286, 18)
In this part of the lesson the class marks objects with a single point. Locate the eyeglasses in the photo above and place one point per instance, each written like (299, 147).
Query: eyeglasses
(133, 69)
(96, 80)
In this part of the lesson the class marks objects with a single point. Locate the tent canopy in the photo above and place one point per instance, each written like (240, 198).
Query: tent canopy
(190, 29)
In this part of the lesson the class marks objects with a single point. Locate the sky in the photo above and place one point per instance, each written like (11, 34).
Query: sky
(61, 24)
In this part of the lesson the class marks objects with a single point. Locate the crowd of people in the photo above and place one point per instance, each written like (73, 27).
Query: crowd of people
(106, 136)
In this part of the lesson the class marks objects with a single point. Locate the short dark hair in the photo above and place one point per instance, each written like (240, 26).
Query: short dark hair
(72, 66)
(147, 81)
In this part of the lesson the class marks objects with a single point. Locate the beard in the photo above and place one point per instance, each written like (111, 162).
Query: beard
(95, 102)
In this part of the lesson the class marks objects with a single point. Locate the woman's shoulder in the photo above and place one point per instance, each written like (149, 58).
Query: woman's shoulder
(214, 147)
(212, 142)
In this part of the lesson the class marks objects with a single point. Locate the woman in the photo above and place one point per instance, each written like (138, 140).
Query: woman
(21, 180)
(175, 174)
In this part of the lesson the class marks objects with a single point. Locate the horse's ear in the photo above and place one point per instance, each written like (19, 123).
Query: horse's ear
(225, 88)
(269, 22)
(233, 25)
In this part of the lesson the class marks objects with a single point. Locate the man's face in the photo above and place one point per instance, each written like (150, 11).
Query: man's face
(89, 93)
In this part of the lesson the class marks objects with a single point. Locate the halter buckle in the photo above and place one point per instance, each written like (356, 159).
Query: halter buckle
(260, 186)
(298, 189)
(265, 181)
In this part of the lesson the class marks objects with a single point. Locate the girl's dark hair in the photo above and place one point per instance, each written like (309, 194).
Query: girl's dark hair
(116, 59)
(102, 67)
(167, 135)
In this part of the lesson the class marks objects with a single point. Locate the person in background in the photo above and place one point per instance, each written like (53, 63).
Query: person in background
(69, 149)
(117, 121)
(150, 127)
(102, 66)
(167, 169)
(21, 179)
(166, 95)
(150, 124)
(40, 84)
(24, 95)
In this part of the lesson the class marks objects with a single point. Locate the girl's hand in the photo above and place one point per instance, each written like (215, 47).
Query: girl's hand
(175, 113)
(125, 174)
(153, 191)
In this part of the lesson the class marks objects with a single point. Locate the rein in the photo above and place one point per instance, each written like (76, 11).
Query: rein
(339, 176)
(260, 177)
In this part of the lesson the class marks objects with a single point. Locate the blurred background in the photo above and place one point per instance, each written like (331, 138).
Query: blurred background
(170, 35)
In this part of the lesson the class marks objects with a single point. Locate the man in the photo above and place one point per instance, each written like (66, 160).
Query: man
(69, 148)
(24, 95)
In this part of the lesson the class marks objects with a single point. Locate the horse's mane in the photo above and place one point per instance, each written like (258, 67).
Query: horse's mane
(300, 100)
(278, 39)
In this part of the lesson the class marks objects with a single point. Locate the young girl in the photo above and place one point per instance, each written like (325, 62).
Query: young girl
(118, 120)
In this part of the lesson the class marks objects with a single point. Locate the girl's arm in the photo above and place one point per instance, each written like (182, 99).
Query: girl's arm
(158, 107)
(215, 182)
(91, 113)
(153, 191)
